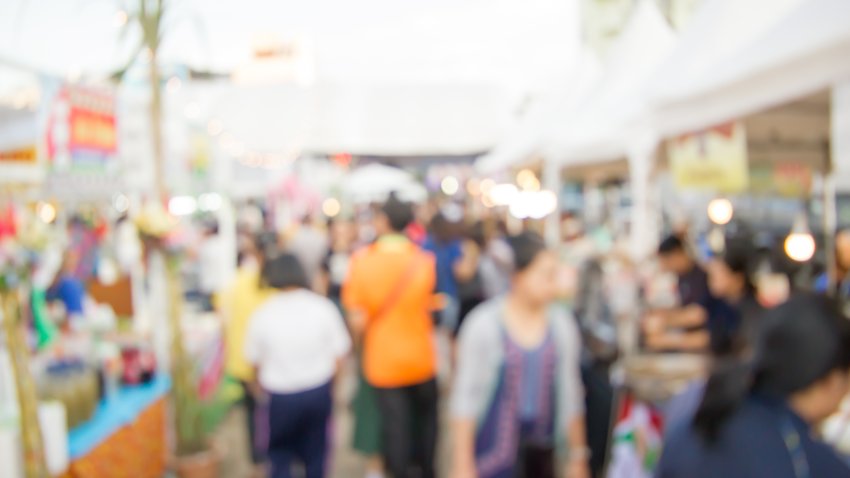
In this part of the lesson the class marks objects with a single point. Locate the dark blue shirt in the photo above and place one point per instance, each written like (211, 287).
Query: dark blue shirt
(751, 445)
(447, 254)
(726, 322)
(693, 288)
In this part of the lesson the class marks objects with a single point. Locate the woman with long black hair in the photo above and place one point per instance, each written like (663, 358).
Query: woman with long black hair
(734, 313)
(757, 414)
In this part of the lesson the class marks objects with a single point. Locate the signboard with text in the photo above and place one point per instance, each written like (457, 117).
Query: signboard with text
(81, 128)
(714, 159)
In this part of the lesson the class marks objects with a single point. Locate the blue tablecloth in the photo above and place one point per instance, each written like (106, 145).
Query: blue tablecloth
(113, 413)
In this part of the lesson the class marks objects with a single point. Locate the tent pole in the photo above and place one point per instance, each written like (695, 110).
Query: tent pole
(644, 227)
(552, 182)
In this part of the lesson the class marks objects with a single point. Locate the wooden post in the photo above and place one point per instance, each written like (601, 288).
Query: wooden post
(35, 465)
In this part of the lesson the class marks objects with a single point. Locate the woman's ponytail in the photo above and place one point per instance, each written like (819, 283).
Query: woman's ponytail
(727, 387)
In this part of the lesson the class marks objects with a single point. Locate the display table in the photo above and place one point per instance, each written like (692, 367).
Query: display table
(125, 438)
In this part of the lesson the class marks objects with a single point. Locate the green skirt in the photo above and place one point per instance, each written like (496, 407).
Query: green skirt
(367, 419)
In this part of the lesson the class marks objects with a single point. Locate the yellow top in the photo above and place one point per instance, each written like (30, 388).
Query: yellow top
(238, 303)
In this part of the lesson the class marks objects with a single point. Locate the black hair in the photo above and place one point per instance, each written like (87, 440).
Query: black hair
(800, 342)
(526, 247)
(670, 245)
(285, 272)
(477, 233)
(399, 213)
(740, 257)
(441, 228)
(211, 227)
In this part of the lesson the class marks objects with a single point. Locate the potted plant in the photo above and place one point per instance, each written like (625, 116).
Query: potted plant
(194, 457)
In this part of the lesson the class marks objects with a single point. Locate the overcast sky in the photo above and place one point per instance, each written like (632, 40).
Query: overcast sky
(520, 44)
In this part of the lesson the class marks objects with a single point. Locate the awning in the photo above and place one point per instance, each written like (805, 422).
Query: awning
(601, 130)
(523, 141)
(783, 50)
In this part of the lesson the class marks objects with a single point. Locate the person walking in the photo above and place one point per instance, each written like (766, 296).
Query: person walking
(366, 435)
(237, 304)
(296, 342)
(444, 243)
(342, 236)
(518, 389)
(759, 411)
(388, 295)
(309, 244)
(469, 273)
(733, 317)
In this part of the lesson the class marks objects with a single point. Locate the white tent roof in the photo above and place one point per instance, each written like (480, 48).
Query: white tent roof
(718, 30)
(412, 78)
(525, 138)
(805, 50)
(390, 120)
(599, 130)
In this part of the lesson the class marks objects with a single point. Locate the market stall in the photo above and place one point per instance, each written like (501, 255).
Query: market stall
(134, 419)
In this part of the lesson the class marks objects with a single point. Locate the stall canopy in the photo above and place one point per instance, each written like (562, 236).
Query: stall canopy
(523, 139)
(391, 120)
(785, 50)
(405, 78)
(600, 130)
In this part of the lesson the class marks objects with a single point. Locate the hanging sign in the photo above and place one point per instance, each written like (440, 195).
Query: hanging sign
(786, 179)
(81, 128)
(19, 155)
(714, 159)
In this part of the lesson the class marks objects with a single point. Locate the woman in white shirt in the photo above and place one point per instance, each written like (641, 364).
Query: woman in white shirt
(296, 341)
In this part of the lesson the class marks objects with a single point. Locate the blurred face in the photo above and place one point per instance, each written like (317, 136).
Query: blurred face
(830, 392)
(342, 234)
(842, 250)
(676, 262)
(382, 224)
(722, 281)
(538, 283)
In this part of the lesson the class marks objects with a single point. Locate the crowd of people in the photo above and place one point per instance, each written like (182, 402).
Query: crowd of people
(306, 303)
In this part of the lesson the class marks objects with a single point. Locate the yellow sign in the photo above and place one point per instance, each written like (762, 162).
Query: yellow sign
(714, 159)
(21, 155)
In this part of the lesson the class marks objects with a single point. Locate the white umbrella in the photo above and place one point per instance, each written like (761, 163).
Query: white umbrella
(376, 181)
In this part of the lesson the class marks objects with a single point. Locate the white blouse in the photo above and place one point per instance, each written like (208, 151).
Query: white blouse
(296, 339)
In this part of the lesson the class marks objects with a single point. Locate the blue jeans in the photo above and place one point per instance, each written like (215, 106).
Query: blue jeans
(298, 431)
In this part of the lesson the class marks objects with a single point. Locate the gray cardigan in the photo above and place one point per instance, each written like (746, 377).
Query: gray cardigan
(481, 354)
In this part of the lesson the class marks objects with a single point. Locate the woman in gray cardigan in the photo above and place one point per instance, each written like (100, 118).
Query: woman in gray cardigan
(518, 391)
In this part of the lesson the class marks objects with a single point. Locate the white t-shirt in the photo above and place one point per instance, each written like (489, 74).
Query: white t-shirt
(296, 338)
(210, 265)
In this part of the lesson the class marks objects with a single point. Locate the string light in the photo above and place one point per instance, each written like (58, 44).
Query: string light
(473, 187)
(46, 212)
(450, 185)
(720, 211)
(121, 18)
(503, 194)
(486, 186)
(331, 207)
(800, 244)
(527, 180)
